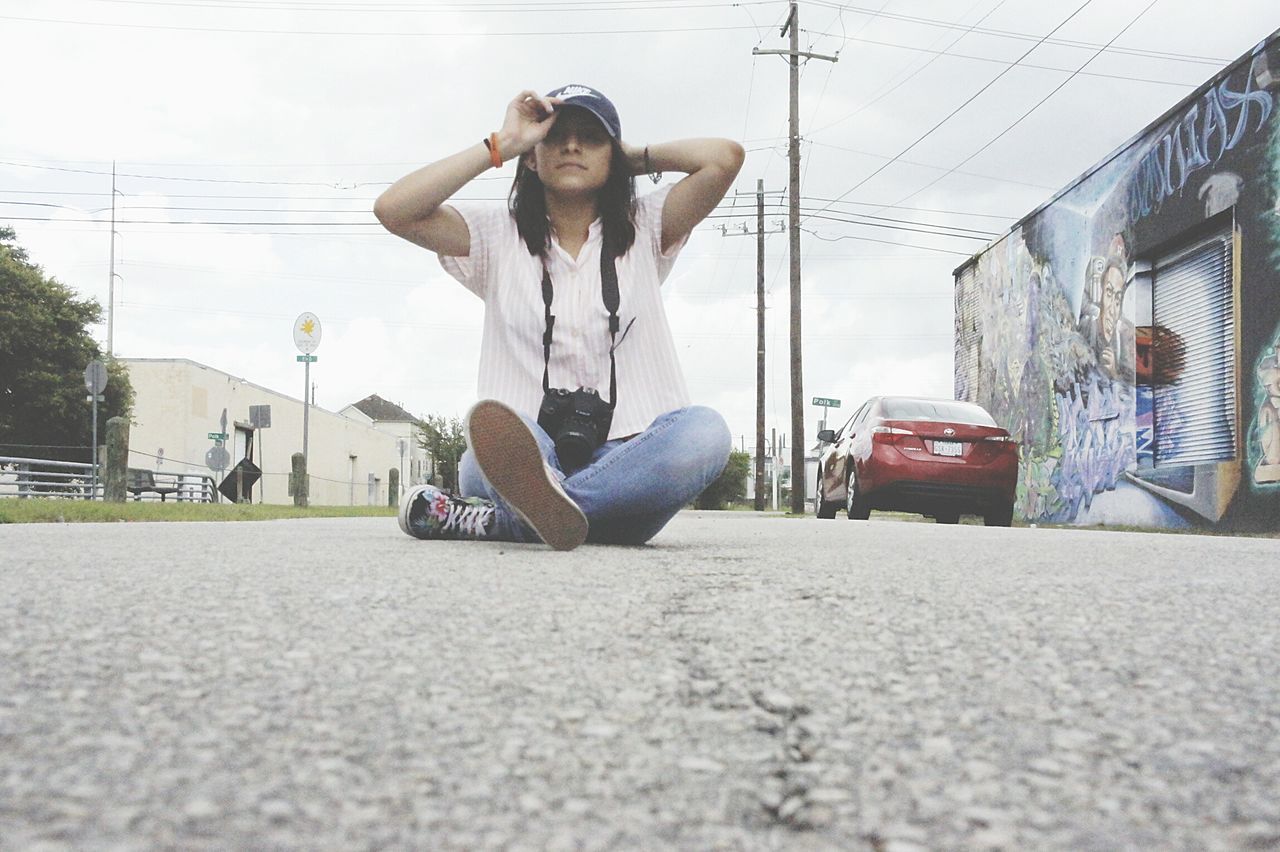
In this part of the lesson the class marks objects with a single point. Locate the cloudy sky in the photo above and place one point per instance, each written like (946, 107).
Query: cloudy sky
(250, 138)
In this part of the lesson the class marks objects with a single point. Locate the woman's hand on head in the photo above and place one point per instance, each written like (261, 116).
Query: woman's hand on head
(634, 155)
(528, 121)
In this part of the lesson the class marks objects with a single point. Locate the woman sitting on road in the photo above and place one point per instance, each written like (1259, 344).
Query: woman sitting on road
(570, 275)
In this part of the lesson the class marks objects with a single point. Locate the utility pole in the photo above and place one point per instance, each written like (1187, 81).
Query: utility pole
(759, 502)
(111, 277)
(760, 232)
(793, 153)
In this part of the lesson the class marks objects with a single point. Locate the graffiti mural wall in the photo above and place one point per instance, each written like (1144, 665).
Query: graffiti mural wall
(1128, 332)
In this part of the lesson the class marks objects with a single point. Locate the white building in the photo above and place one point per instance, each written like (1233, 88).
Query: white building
(178, 404)
(415, 462)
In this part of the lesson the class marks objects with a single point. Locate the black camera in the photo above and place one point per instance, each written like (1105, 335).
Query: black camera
(578, 421)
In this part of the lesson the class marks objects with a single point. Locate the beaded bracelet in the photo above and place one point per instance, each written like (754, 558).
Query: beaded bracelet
(648, 169)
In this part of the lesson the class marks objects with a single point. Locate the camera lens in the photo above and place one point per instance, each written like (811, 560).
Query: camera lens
(574, 448)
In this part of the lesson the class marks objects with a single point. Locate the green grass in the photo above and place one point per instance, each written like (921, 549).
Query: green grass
(13, 511)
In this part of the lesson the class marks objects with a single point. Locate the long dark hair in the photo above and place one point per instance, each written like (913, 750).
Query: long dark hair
(617, 205)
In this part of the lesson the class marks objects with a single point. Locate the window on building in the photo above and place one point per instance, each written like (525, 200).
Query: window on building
(1190, 362)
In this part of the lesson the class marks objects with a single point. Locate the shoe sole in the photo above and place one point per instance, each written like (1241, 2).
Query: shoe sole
(509, 457)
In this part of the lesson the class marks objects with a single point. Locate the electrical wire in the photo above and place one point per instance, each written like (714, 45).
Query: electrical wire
(1215, 61)
(369, 200)
(376, 33)
(964, 104)
(919, 69)
(440, 7)
(876, 222)
(882, 242)
(982, 175)
(1033, 108)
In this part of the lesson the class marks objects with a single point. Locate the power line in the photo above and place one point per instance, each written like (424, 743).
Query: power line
(966, 102)
(1000, 216)
(919, 68)
(322, 184)
(935, 22)
(938, 54)
(883, 242)
(378, 34)
(440, 7)
(1034, 107)
(262, 224)
(195, 222)
(371, 199)
(172, 195)
(876, 222)
(981, 175)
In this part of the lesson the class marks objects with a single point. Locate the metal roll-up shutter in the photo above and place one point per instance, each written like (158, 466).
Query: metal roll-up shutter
(967, 335)
(1193, 314)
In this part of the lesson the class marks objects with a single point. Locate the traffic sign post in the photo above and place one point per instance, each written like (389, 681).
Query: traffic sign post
(95, 381)
(306, 336)
(259, 419)
(216, 458)
(825, 402)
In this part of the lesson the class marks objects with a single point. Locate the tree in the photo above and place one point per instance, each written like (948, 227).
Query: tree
(730, 486)
(45, 346)
(443, 438)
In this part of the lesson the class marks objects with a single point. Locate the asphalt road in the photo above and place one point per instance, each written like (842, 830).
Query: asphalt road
(743, 682)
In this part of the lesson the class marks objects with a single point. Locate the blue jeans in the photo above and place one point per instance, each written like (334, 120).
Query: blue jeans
(630, 488)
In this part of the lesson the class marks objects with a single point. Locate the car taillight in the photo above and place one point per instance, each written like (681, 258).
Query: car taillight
(888, 434)
(1000, 439)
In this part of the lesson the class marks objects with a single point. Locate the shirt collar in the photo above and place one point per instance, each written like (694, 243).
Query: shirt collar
(595, 235)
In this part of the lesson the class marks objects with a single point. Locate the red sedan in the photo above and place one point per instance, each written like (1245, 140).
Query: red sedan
(940, 458)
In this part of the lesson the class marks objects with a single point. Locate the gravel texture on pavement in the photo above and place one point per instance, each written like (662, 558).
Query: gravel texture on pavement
(743, 682)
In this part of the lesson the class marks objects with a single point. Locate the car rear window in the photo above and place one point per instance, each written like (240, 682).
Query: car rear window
(930, 409)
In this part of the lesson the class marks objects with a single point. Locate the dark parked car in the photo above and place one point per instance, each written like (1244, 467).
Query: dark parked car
(940, 458)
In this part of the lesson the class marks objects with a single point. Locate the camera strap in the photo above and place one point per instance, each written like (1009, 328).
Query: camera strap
(609, 293)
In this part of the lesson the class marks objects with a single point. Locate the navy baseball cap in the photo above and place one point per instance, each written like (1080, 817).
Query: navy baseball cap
(593, 102)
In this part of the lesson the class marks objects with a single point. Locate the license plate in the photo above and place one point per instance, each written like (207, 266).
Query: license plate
(947, 448)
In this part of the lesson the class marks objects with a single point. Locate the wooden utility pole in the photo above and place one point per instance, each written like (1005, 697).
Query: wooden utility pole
(793, 152)
(111, 273)
(760, 232)
(759, 502)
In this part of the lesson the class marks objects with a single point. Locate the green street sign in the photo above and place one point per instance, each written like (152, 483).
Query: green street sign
(826, 403)
(310, 358)
(217, 436)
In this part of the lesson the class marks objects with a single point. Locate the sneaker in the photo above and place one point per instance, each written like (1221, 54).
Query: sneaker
(509, 457)
(428, 512)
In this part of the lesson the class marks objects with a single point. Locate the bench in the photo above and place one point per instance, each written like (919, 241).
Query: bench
(144, 481)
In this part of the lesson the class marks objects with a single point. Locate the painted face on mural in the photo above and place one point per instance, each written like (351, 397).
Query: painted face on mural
(1269, 374)
(1112, 301)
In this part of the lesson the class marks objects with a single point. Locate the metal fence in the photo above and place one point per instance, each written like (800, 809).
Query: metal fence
(24, 478)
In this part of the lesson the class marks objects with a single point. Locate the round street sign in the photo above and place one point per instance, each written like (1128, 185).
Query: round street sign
(306, 332)
(95, 377)
(217, 458)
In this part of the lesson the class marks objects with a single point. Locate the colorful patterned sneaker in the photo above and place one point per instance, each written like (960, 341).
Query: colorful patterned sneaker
(509, 457)
(428, 512)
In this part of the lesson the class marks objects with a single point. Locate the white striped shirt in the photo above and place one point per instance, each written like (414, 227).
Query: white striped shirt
(500, 270)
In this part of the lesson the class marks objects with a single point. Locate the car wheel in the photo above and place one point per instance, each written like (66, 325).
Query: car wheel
(947, 518)
(826, 508)
(1002, 517)
(855, 504)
